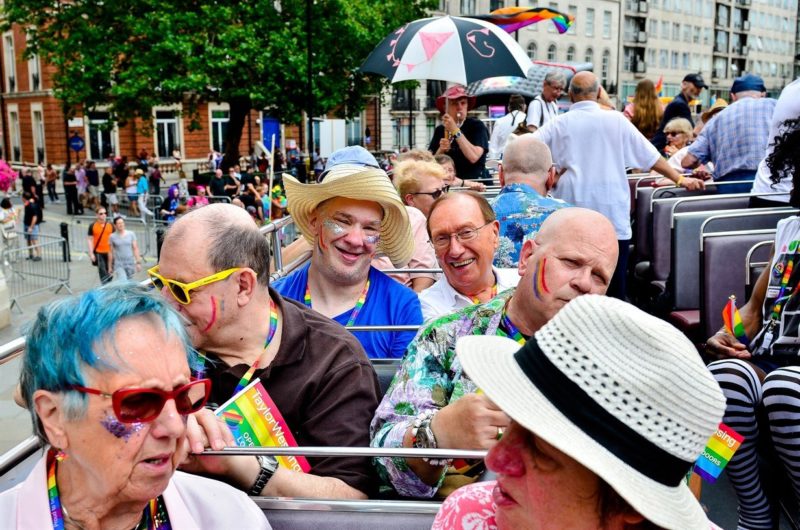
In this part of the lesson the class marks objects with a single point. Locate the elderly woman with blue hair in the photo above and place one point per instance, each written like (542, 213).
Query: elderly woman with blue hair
(106, 379)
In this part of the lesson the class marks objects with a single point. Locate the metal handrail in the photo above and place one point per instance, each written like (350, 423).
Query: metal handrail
(11, 458)
(394, 452)
(364, 506)
(10, 350)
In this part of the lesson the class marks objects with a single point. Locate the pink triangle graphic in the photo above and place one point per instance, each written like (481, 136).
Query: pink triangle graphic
(431, 42)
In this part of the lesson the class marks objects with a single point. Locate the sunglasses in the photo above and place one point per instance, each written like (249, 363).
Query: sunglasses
(180, 291)
(672, 133)
(434, 194)
(143, 405)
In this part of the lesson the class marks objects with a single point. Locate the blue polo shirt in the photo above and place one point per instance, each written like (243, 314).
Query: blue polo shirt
(388, 303)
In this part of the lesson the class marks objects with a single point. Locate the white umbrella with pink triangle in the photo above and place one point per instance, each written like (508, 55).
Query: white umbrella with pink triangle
(456, 49)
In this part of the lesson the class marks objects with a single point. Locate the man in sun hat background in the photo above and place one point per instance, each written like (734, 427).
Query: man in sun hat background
(736, 139)
(464, 139)
(601, 436)
(431, 404)
(347, 219)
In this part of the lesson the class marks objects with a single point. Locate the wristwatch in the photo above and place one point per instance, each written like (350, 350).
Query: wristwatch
(269, 465)
(424, 438)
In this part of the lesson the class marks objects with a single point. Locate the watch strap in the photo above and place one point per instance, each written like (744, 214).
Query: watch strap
(269, 464)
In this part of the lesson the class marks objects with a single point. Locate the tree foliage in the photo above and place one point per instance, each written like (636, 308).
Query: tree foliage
(133, 55)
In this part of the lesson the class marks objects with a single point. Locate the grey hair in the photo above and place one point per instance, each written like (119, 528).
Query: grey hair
(555, 77)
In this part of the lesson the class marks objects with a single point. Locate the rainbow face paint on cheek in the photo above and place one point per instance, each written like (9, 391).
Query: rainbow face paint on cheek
(119, 429)
(335, 228)
(213, 315)
(372, 240)
(539, 283)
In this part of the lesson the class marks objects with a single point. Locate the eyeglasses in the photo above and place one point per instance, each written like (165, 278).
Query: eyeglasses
(180, 291)
(434, 194)
(442, 241)
(143, 405)
(672, 133)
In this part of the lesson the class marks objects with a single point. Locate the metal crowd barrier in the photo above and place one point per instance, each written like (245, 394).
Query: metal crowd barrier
(26, 276)
(145, 234)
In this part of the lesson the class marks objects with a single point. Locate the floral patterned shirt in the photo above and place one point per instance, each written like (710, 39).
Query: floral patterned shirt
(521, 211)
(430, 377)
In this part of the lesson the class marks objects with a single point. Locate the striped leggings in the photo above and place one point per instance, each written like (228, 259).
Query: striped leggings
(780, 395)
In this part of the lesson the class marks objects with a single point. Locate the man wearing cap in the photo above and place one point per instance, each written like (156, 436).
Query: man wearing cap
(464, 139)
(526, 174)
(347, 219)
(543, 108)
(316, 373)
(591, 149)
(735, 140)
(431, 404)
(464, 234)
(691, 86)
(602, 436)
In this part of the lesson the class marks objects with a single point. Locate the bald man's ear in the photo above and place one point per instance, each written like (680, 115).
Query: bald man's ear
(524, 256)
(552, 177)
(501, 174)
(246, 283)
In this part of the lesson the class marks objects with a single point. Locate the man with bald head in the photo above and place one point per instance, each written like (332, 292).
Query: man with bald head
(591, 150)
(526, 174)
(214, 269)
(431, 403)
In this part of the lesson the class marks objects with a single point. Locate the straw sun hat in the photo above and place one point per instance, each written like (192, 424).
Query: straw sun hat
(360, 183)
(622, 392)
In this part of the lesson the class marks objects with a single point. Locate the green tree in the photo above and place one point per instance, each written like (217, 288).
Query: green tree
(131, 56)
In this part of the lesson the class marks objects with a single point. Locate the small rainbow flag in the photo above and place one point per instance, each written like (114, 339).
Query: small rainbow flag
(718, 453)
(733, 321)
(512, 18)
(659, 85)
(255, 421)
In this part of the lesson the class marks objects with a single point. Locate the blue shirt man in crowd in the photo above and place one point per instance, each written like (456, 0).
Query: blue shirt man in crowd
(348, 218)
(526, 174)
(736, 139)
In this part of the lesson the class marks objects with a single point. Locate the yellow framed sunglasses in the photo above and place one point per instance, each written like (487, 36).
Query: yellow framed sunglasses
(180, 291)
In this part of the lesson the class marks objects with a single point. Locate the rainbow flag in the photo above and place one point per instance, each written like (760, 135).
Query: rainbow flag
(733, 321)
(255, 421)
(659, 85)
(718, 453)
(512, 19)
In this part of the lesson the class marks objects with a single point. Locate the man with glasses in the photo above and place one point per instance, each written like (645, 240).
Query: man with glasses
(99, 243)
(214, 269)
(347, 219)
(526, 174)
(464, 234)
(419, 183)
(430, 403)
(543, 108)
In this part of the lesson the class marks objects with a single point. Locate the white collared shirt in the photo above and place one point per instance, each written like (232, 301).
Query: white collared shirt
(440, 298)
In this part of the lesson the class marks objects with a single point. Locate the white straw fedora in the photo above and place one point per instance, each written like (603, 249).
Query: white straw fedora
(361, 183)
(620, 391)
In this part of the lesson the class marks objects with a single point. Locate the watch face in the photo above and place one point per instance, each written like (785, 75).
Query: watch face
(425, 439)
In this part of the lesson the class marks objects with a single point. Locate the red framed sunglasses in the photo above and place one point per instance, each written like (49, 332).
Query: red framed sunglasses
(143, 405)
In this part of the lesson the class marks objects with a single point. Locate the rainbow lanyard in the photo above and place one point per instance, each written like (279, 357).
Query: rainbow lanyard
(356, 309)
(155, 515)
(494, 293)
(779, 301)
(511, 330)
(273, 326)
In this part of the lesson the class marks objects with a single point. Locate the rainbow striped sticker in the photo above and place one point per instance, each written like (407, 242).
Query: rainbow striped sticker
(718, 453)
(232, 418)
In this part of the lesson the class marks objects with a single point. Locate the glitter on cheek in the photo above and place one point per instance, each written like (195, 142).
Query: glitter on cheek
(119, 429)
(372, 240)
(334, 227)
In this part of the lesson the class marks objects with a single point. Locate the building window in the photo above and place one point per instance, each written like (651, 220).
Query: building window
(402, 132)
(606, 24)
(219, 129)
(551, 28)
(664, 29)
(353, 131)
(573, 29)
(571, 53)
(468, 7)
(589, 58)
(430, 126)
(35, 73)
(662, 58)
(10, 62)
(101, 138)
(493, 4)
(589, 22)
(551, 52)
(167, 139)
(605, 67)
(674, 61)
(37, 123)
(532, 50)
(676, 31)
(16, 142)
(685, 61)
